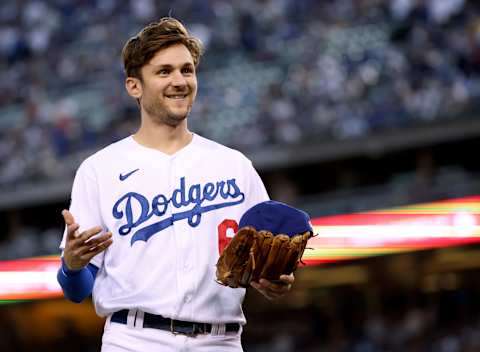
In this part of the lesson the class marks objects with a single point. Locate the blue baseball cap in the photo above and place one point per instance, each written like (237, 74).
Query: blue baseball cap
(276, 217)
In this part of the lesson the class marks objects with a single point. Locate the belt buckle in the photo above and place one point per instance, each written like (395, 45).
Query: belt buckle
(195, 330)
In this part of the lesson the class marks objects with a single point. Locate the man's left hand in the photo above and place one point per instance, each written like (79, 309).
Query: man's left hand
(272, 290)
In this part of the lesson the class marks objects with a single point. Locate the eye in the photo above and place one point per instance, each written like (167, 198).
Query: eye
(187, 70)
(163, 71)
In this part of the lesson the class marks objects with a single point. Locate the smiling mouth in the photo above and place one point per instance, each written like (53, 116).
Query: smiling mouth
(177, 96)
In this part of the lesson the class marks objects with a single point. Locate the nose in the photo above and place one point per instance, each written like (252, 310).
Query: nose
(178, 80)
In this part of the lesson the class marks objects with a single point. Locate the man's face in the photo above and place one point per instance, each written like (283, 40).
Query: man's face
(169, 85)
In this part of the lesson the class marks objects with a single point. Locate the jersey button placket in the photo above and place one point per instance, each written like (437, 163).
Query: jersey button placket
(178, 245)
(182, 234)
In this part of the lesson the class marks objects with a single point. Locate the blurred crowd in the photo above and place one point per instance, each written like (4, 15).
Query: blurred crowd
(276, 72)
(26, 242)
(446, 321)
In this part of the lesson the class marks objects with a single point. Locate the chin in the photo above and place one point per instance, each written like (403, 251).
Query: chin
(180, 113)
(175, 118)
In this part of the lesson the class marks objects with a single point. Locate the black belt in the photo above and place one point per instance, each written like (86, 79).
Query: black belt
(174, 326)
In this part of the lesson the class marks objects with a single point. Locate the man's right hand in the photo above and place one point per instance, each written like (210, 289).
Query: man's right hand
(79, 250)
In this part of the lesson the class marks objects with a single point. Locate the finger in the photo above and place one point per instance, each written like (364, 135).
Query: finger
(98, 249)
(262, 290)
(95, 242)
(85, 235)
(287, 279)
(72, 228)
(255, 285)
(72, 231)
(267, 291)
(272, 284)
(68, 217)
(277, 287)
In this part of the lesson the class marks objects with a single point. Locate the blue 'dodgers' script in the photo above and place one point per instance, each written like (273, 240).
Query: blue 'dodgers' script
(220, 194)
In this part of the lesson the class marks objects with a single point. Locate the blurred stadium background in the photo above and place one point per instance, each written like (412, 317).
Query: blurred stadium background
(344, 106)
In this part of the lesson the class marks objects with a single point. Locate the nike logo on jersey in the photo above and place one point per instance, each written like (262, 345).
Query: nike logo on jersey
(127, 175)
(135, 208)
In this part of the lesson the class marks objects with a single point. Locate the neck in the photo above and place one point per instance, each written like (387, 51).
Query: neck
(165, 138)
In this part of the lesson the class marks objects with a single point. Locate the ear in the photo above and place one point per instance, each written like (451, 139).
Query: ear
(134, 87)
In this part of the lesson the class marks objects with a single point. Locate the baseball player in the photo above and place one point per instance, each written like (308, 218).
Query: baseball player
(150, 214)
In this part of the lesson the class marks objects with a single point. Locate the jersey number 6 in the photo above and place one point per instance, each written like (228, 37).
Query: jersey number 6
(225, 236)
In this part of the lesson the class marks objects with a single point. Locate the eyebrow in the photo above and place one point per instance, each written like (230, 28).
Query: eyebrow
(156, 67)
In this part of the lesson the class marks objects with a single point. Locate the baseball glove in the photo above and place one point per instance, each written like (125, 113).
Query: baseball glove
(252, 255)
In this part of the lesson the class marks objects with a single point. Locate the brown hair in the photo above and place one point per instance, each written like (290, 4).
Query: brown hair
(168, 31)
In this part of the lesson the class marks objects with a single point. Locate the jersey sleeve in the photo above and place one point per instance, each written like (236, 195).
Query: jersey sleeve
(85, 205)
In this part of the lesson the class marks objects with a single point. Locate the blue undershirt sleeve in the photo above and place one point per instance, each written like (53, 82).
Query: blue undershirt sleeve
(77, 284)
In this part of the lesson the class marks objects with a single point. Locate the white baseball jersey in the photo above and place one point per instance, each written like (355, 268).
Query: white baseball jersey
(170, 215)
